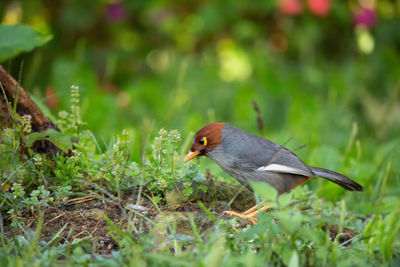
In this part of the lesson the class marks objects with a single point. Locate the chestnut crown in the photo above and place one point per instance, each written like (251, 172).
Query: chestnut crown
(205, 140)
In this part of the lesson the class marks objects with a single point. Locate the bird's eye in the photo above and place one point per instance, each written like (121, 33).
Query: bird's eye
(203, 141)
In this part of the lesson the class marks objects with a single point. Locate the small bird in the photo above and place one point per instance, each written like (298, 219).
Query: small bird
(247, 157)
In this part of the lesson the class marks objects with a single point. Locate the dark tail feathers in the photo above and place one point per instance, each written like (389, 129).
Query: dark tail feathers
(337, 178)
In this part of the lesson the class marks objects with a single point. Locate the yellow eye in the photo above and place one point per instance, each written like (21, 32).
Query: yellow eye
(203, 141)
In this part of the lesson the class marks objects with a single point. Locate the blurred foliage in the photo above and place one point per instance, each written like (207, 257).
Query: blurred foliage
(185, 63)
(321, 71)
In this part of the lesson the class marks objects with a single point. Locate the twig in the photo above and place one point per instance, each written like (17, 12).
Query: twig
(78, 234)
(82, 201)
(77, 199)
(1, 223)
(260, 122)
(60, 215)
(55, 218)
(300, 147)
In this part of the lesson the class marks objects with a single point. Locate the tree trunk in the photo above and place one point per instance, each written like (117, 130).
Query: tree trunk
(11, 91)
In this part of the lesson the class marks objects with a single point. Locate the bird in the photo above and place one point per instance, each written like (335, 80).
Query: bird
(248, 157)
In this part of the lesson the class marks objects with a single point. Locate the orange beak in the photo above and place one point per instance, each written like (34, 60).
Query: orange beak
(191, 155)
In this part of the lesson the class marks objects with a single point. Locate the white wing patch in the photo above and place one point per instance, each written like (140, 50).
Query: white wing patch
(283, 168)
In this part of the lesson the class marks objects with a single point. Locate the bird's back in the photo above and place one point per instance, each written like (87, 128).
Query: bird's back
(241, 154)
(257, 151)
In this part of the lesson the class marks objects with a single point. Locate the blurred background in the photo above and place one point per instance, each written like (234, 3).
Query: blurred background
(323, 73)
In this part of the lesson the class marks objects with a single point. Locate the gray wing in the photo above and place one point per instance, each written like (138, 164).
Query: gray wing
(259, 154)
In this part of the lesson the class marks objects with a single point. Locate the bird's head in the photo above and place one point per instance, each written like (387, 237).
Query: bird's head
(205, 140)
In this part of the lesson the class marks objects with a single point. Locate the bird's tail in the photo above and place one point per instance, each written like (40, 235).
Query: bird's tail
(337, 178)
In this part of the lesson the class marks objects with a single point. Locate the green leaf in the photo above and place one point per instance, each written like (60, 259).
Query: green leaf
(19, 38)
(264, 190)
(290, 221)
(181, 237)
(61, 140)
(294, 260)
(285, 199)
(371, 227)
(286, 253)
(33, 137)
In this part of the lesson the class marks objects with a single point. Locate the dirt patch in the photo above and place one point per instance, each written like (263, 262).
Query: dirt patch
(344, 238)
(84, 218)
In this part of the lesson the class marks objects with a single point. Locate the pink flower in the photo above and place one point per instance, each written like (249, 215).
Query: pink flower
(366, 17)
(319, 7)
(115, 12)
(290, 7)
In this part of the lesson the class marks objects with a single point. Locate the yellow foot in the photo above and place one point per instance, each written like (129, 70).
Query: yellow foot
(248, 214)
(255, 207)
(241, 215)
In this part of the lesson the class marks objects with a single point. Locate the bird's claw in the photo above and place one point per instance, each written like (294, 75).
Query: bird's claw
(241, 215)
(249, 214)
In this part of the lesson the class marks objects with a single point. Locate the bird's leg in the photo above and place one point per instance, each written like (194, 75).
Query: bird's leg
(250, 213)
(255, 207)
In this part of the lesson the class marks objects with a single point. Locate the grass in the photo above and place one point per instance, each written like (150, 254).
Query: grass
(311, 226)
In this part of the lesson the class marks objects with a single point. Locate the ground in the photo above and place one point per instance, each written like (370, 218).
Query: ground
(84, 217)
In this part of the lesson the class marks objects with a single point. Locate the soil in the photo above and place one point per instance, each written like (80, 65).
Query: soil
(84, 218)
